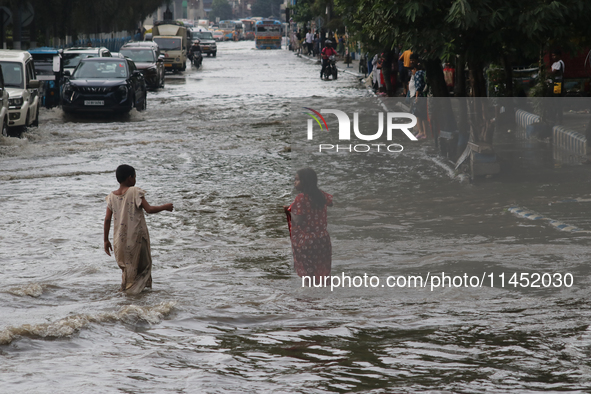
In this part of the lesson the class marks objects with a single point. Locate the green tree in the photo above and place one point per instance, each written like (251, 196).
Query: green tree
(220, 9)
(475, 32)
(266, 8)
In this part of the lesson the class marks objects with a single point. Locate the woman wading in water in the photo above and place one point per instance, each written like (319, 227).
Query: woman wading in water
(310, 241)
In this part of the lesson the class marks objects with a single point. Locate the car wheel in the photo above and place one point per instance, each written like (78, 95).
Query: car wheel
(5, 127)
(27, 120)
(215, 53)
(144, 104)
(35, 123)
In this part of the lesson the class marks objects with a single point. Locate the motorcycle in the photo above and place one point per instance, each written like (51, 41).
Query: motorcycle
(196, 59)
(331, 68)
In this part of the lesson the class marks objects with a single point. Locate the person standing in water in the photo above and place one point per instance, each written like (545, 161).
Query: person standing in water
(310, 241)
(130, 238)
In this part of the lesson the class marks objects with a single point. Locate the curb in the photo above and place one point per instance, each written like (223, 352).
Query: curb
(531, 215)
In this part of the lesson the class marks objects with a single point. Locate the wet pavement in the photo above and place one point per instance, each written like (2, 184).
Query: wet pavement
(227, 314)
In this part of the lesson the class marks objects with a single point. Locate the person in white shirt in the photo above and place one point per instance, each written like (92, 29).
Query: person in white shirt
(309, 41)
(557, 75)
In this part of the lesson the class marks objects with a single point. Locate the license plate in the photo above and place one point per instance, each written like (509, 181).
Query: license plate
(94, 102)
(167, 64)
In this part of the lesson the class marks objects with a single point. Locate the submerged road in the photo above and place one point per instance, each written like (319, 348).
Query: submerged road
(227, 314)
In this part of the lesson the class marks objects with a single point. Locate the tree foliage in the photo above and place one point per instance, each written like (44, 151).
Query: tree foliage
(220, 9)
(58, 18)
(479, 31)
(267, 8)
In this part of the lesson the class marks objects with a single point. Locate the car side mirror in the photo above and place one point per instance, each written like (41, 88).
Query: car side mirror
(34, 84)
(57, 64)
(67, 73)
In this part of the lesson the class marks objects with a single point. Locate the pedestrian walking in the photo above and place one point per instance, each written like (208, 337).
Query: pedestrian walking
(316, 44)
(310, 42)
(131, 240)
(416, 88)
(405, 70)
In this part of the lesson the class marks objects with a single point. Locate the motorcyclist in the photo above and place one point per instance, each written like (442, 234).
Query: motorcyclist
(194, 48)
(195, 53)
(326, 53)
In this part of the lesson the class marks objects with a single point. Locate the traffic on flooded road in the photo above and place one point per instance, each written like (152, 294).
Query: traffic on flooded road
(227, 311)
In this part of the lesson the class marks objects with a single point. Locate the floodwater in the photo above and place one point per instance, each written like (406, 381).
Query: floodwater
(227, 314)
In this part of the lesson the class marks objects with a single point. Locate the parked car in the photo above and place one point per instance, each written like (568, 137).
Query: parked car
(104, 85)
(49, 68)
(218, 35)
(147, 58)
(3, 106)
(208, 45)
(72, 56)
(22, 87)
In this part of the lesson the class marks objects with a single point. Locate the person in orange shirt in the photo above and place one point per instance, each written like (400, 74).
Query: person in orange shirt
(405, 69)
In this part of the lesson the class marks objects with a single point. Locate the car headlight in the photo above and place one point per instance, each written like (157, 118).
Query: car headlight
(15, 101)
(178, 59)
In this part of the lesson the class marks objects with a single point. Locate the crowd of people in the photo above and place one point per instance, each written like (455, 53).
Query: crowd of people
(406, 74)
(311, 43)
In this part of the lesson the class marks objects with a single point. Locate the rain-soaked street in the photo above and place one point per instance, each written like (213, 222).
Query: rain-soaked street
(227, 313)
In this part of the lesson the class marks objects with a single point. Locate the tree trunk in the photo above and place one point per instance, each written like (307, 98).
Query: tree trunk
(508, 75)
(460, 91)
(477, 80)
(435, 78)
(460, 83)
(387, 70)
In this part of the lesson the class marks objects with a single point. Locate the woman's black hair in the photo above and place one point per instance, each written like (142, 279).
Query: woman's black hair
(309, 186)
(123, 172)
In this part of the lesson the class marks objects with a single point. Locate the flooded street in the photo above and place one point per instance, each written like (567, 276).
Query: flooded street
(227, 313)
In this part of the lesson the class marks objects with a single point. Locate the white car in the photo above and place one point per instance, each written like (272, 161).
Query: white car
(22, 87)
(72, 56)
(3, 106)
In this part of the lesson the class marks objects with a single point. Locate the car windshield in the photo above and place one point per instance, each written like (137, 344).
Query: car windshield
(202, 35)
(101, 69)
(72, 59)
(43, 63)
(139, 55)
(13, 74)
(168, 44)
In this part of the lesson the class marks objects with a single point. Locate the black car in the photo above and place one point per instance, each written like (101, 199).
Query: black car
(147, 58)
(104, 85)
